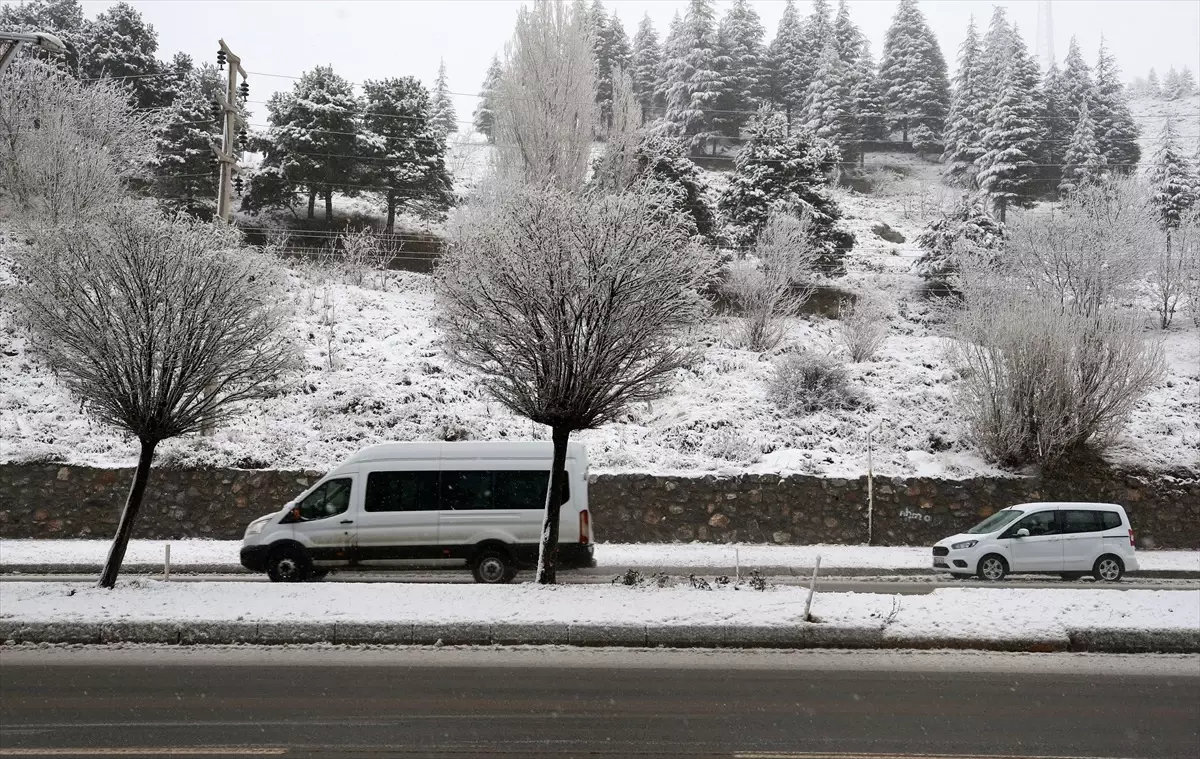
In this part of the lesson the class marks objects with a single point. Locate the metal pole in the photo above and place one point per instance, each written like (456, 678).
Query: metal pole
(812, 588)
(871, 486)
(167, 562)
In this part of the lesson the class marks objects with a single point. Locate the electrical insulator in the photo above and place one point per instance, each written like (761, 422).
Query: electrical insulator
(221, 59)
(244, 90)
(217, 110)
(243, 135)
(237, 185)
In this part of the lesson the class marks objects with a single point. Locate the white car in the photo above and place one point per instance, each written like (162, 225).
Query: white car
(1069, 539)
(402, 505)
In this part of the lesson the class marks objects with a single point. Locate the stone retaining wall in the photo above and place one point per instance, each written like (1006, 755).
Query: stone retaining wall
(52, 501)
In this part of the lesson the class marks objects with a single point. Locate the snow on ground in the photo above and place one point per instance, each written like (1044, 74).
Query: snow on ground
(615, 556)
(967, 613)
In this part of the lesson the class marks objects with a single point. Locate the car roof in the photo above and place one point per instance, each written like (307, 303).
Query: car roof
(1079, 505)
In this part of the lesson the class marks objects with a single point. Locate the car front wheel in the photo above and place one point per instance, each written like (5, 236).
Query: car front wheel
(288, 564)
(1108, 568)
(992, 568)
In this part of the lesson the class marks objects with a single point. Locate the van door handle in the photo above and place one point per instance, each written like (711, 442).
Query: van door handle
(347, 521)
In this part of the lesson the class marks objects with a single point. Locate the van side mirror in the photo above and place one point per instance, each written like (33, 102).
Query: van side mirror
(1022, 533)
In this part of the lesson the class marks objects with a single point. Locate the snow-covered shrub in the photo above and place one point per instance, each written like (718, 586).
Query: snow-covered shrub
(1043, 381)
(804, 382)
(968, 224)
(730, 445)
(925, 141)
(863, 325)
(363, 258)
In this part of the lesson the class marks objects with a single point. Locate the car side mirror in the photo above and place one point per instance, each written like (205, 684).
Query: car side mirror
(1022, 533)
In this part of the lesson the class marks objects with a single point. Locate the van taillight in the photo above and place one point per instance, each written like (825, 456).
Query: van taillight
(1131, 537)
(585, 520)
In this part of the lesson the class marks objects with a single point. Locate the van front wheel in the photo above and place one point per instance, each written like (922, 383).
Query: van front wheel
(288, 564)
(992, 568)
(493, 568)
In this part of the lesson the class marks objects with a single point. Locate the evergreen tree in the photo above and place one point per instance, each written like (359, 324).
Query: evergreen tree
(120, 44)
(1187, 83)
(1058, 126)
(868, 101)
(406, 146)
(742, 64)
(964, 126)
(849, 37)
(1173, 180)
(63, 18)
(672, 64)
(310, 145)
(445, 120)
(185, 172)
(663, 165)
(775, 169)
(818, 31)
(646, 64)
(829, 109)
(1077, 82)
(995, 50)
(611, 45)
(788, 85)
(1117, 132)
(970, 224)
(692, 98)
(485, 111)
(1170, 85)
(1152, 84)
(912, 73)
(1013, 137)
(1084, 163)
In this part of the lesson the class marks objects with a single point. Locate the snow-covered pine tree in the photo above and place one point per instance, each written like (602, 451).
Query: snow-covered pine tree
(1084, 163)
(868, 101)
(817, 32)
(788, 85)
(692, 98)
(1187, 82)
(1117, 132)
(484, 117)
(671, 68)
(849, 37)
(742, 64)
(912, 73)
(663, 164)
(406, 146)
(994, 52)
(1058, 126)
(119, 43)
(970, 224)
(613, 52)
(1013, 138)
(185, 173)
(444, 118)
(1153, 86)
(310, 143)
(645, 65)
(1077, 82)
(963, 135)
(1173, 179)
(1170, 85)
(829, 108)
(775, 169)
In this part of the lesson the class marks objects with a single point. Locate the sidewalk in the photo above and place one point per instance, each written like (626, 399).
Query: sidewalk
(221, 556)
(150, 611)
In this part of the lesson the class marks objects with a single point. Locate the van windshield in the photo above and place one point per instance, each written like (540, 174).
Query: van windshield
(997, 521)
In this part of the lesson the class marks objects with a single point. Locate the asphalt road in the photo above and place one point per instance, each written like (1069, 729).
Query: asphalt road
(899, 585)
(553, 703)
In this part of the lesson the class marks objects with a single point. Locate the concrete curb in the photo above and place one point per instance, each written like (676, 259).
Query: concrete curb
(802, 636)
(33, 570)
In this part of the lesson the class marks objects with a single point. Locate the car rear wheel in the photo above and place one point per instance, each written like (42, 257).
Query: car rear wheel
(1108, 568)
(493, 568)
(288, 564)
(992, 568)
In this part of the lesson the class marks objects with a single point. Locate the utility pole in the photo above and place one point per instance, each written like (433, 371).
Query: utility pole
(1045, 34)
(227, 154)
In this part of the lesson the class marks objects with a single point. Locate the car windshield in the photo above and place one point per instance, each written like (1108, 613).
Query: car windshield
(995, 522)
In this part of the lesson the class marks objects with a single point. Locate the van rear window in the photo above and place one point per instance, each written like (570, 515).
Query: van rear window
(525, 490)
(1110, 519)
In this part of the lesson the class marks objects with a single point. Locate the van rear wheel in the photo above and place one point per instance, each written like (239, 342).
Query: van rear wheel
(1108, 568)
(493, 568)
(288, 564)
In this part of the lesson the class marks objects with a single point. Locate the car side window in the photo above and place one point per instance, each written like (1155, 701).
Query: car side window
(331, 498)
(1081, 521)
(1041, 523)
(401, 491)
(1110, 519)
(525, 489)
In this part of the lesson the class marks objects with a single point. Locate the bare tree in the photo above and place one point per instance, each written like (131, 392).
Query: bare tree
(1175, 265)
(617, 169)
(863, 325)
(158, 326)
(546, 108)
(775, 283)
(571, 308)
(1090, 252)
(67, 147)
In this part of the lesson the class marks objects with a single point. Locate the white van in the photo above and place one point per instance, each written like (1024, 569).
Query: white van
(426, 504)
(1069, 539)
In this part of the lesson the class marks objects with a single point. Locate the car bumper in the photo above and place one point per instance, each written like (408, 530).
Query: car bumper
(254, 558)
(1131, 563)
(956, 562)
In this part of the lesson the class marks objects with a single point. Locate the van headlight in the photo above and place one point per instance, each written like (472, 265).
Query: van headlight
(257, 526)
(956, 546)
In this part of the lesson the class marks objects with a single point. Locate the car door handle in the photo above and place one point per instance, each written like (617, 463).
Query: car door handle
(347, 521)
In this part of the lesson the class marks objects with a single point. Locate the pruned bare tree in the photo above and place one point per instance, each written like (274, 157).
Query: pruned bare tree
(158, 326)
(546, 108)
(67, 147)
(1175, 266)
(1091, 251)
(774, 284)
(617, 169)
(571, 308)
(863, 325)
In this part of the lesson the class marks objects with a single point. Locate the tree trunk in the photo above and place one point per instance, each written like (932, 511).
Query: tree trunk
(548, 551)
(904, 129)
(116, 554)
(391, 217)
(328, 206)
(1167, 311)
(312, 202)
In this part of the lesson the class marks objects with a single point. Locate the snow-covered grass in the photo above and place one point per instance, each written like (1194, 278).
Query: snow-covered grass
(962, 613)
(615, 556)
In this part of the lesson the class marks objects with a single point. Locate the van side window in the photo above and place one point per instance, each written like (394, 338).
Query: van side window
(331, 498)
(1041, 523)
(466, 491)
(401, 491)
(525, 490)
(1081, 521)
(1110, 519)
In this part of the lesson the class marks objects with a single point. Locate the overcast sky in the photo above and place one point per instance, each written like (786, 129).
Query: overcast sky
(366, 39)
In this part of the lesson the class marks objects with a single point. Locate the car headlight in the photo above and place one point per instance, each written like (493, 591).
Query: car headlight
(964, 544)
(256, 527)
